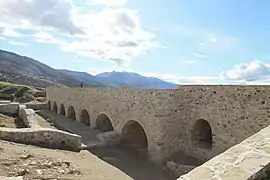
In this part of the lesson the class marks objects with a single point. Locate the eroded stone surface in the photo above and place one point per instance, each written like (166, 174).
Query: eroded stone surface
(28, 116)
(168, 116)
(44, 137)
(243, 161)
(11, 178)
(37, 106)
(9, 108)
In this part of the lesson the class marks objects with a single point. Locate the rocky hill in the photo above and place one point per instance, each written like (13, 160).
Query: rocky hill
(24, 70)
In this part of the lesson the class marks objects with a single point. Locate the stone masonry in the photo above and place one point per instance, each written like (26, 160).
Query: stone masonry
(248, 160)
(202, 121)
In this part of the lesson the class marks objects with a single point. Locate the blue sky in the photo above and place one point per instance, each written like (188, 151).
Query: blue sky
(183, 41)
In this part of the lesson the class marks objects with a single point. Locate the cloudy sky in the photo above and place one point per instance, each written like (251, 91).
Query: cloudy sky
(183, 41)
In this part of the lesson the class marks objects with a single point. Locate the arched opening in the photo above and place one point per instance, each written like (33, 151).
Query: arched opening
(201, 134)
(71, 113)
(84, 117)
(103, 123)
(49, 105)
(134, 138)
(55, 108)
(62, 110)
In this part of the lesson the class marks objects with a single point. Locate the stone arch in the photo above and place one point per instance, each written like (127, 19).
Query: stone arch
(103, 123)
(49, 105)
(62, 110)
(84, 117)
(71, 113)
(133, 135)
(201, 134)
(55, 108)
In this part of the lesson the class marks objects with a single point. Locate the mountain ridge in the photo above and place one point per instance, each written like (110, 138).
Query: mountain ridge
(24, 70)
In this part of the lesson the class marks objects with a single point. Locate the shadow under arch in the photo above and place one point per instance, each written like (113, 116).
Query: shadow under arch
(133, 137)
(71, 113)
(84, 117)
(62, 110)
(103, 123)
(55, 108)
(49, 105)
(201, 134)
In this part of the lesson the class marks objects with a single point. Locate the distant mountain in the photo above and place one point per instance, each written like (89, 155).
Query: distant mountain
(134, 80)
(24, 70)
(88, 79)
(19, 69)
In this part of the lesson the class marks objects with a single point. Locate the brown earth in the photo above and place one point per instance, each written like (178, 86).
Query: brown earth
(34, 163)
(10, 122)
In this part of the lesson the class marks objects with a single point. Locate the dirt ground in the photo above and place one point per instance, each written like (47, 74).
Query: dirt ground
(10, 122)
(103, 163)
(34, 163)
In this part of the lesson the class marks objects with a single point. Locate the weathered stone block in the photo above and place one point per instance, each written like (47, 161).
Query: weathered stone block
(10, 109)
(43, 137)
(37, 106)
(243, 161)
(11, 178)
(28, 116)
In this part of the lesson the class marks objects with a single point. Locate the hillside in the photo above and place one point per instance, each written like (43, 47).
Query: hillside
(23, 70)
(19, 69)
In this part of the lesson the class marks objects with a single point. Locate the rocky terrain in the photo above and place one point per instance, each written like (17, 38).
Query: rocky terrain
(21, 93)
(23, 70)
(33, 163)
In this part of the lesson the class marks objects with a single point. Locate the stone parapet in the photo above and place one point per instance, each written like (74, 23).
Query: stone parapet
(43, 137)
(248, 160)
(37, 106)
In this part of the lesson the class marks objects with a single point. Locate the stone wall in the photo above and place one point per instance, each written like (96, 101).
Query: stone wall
(168, 116)
(37, 106)
(248, 160)
(35, 134)
(9, 108)
(43, 137)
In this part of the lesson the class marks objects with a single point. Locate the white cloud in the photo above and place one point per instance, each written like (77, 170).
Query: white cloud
(205, 40)
(198, 55)
(201, 44)
(108, 2)
(11, 33)
(188, 62)
(108, 34)
(44, 37)
(214, 40)
(218, 43)
(118, 37)
(38, 13)
(253, 71)
(15, 43)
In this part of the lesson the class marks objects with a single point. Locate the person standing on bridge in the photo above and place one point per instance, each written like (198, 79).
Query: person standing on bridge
(82, 84)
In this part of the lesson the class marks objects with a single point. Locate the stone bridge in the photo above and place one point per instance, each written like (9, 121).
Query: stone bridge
(202, 121)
